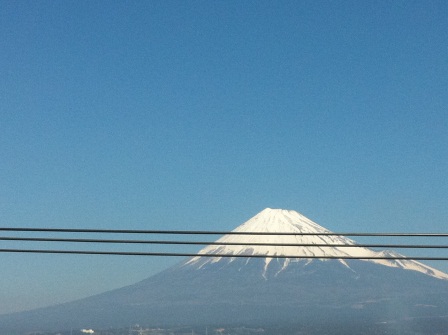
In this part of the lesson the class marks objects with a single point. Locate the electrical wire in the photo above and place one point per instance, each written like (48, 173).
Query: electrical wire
(165, 242)
(173, 254)
(223, 243)
(202, 232)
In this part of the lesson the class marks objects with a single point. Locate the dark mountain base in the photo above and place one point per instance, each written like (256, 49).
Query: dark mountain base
(318, 297)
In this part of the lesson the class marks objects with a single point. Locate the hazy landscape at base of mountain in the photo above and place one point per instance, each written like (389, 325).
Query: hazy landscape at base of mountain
(316, 295)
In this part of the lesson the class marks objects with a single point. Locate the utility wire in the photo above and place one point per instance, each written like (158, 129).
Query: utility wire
(201, 232)
(164, 242)
(165, 254)
(191, 232)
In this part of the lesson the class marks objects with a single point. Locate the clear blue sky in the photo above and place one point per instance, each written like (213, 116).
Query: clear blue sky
(199, 114)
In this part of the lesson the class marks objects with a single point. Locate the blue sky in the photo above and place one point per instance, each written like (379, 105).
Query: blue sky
(198, 115)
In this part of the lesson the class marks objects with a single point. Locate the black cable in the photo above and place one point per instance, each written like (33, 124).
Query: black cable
(165, 254)
(200, 232)
(83, 240)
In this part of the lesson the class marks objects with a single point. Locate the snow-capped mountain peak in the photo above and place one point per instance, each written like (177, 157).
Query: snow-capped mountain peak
(296, 226)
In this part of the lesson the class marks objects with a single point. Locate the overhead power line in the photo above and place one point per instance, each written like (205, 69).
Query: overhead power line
(165, 254)
(165, 242)
(202, 232)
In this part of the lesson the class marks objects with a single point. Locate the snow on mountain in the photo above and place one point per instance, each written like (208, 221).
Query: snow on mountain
(288, 221)
(266, 290)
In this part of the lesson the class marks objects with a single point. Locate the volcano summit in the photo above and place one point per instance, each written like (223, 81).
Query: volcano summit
(276, 282)
(297, 226)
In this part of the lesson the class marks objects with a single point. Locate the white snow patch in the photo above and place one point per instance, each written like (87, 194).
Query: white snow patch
(292, 222)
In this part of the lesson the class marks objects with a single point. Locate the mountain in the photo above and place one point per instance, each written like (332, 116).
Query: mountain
(266, 287)
(284, 221)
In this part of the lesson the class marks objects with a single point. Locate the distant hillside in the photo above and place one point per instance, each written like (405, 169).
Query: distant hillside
(316, 294)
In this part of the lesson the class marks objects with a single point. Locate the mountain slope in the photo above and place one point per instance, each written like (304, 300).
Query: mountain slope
(285, 221)
(222, 290)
